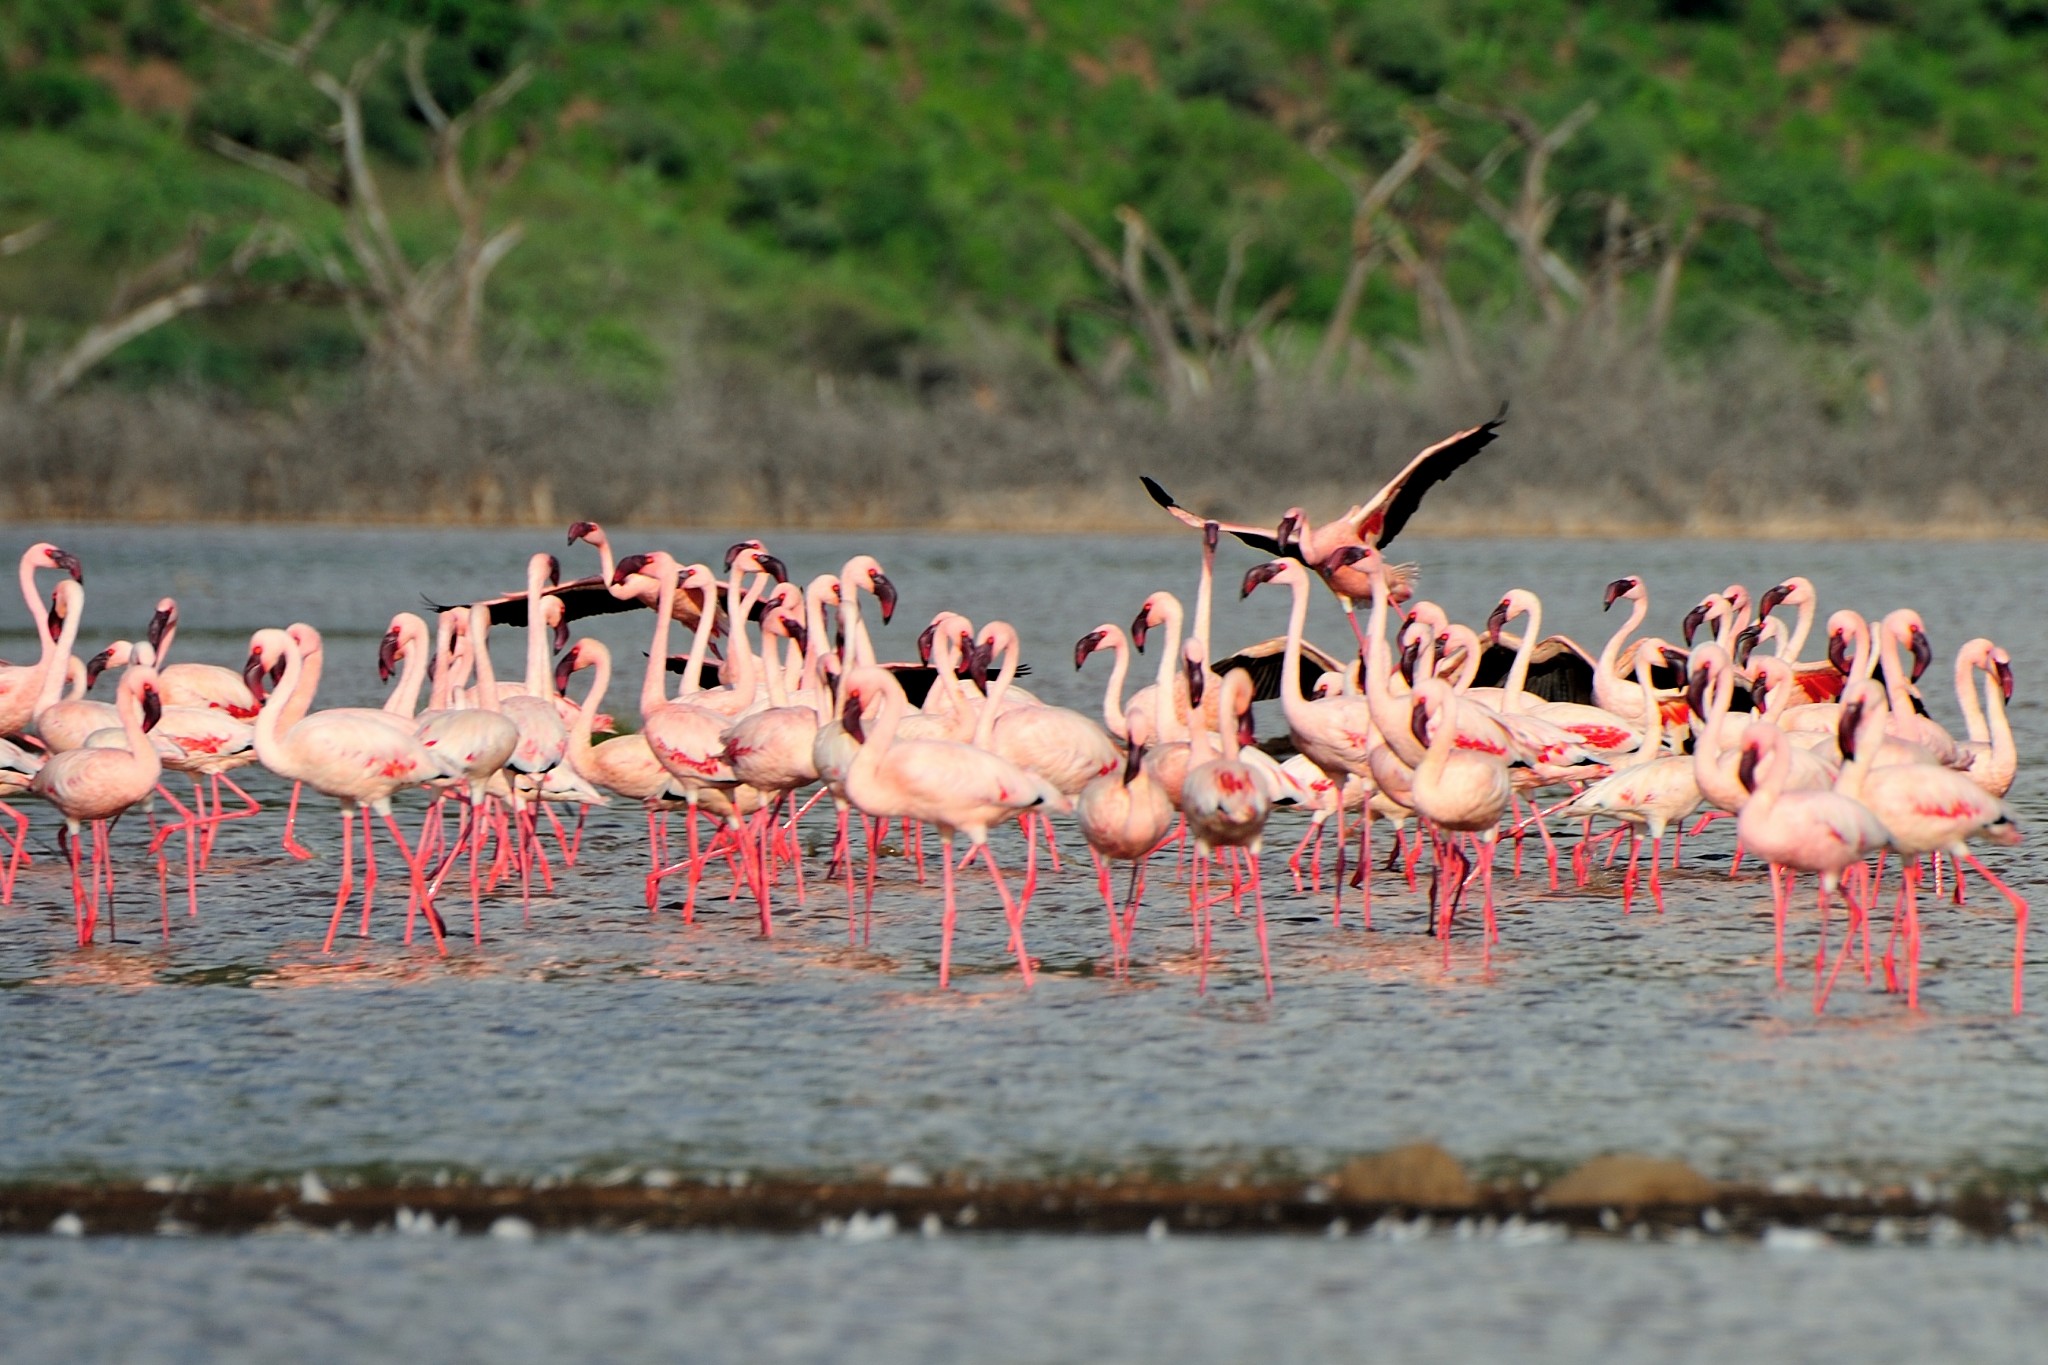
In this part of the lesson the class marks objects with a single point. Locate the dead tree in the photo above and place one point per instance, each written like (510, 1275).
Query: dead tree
(1188, 345)
(1369, 200)
(420, 318)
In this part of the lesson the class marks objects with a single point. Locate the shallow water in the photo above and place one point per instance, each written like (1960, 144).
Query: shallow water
(1009, 1299)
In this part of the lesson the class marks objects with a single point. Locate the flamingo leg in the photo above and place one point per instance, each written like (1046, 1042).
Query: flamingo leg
(413, 864)
(1259, 922)
(291, 821)
(1011, 912)
(2019, 932)
(370, 878)
(348, 867)
(19, 840)
(952, 913)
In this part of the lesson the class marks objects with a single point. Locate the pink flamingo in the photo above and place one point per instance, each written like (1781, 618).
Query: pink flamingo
(623, 764)
(21, 684)
(99, 785)
(1227, 806)
(1123, 816)
(183, 684)
(1649, 794)
(358, 760)
(1822, 832)
(956, 787)
(1993, 757)
(1459, 791)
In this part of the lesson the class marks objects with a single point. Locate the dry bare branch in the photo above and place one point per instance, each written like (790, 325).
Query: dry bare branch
(21, 239)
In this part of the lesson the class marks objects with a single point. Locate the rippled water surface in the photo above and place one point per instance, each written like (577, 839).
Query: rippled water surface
(595, 1037)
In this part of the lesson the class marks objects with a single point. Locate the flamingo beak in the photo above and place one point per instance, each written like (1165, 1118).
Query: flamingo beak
(885, 591)
(1923, 652)
(1411, 653)
(152, 708)
(1745, 642)
(1495, 623)
(1141, 626)
(1768, 603)
(567, 666)
(579, 530)
(1086, 645)
(1691, 625)
(559, 635)
(772, 566)
(55, 621)
(2004, 677)
(1838, 652)
(629, 566)
(1846, 727)
(1247, 733)
(1745, 768)
(1134, 763)
(849, 716)
(68, 562)
(97, 665)
(252, 674)
(1211, 534)
(1260, 573)
(1418, 723)
(733, 552)
(554, 572)
(1198, 682)
(160, 625)
(798, 633)
(926, 639)
(1696, 693)
(387, 656)
(1616, 590)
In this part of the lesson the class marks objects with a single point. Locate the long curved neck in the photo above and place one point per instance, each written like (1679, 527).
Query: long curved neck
(36, 608)
(1172, 686)
(275, 718)
(405, 698)
(442, 696)
(1609, 652)
(163, 646)
(586, 714)
(1205, 594)
(1113, 694)
(1896, 694)
(540, 679)
(880, 732)
(1706, 741)
(480, 651)
(56, 666)
(1514, 689)
(606, 564)
(1999, 728)
(992, 705)
(1437, 755)
(771, 667)
(310, 664)
(654, 684)
(1293, 705)
(1389, 713)
(707, 616)
(1788, 650)
(129, 706)
(743, 670)
(1966, 693)
(1653, 720)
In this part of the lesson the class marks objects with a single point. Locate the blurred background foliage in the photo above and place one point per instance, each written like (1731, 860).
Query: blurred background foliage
(867, 188)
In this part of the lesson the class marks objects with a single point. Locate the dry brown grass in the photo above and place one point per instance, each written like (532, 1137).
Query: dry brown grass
(1929, 429)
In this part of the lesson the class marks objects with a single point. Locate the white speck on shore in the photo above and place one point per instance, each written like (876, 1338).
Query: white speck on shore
(313, 1190)
(1779, 1238)
(511, 1228)
(67, 1225)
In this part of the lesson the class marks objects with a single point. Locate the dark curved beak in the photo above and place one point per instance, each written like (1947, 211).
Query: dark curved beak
(68, 562)
(2004, 677)
(559, 636)
(1211, 534)
(1745, 642)
(55, 621)
(1838, 652)
(152, 708)
(926, 638)
(849, 716)
(629, 566)
(1696, 692)
(578, 530)
(253, 674)
(1846, 727)
(1247, 732)
(1496, 622)
(885, 591)
(1134, 763)
(1768, 603)
(1086, 645)
(159, 626)
(387, 656)
(1615, 590)
(1410, 654)
(1198, 682)
(733, 552)
(1691, 625)
(772, 566)
(554, 572)
(1418, 723)
(1675, 658)
(563, 669)
(797, 632)
(97, 665)
(1259, 573)
(1745, 769)
(1923, 653)
(1141, 628)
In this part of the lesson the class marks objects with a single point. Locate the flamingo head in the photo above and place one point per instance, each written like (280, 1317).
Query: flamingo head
(1149, 615)
(1411, 652)
(630, 565)
(928, 639)
(1418, 719)
(1631, 588)
(1247, 732)
(1745, 640)
(1292, 522)
(1911, 632)
(2001, 664)
(1134, 762)
(1364, 558)
(1212, 533)
(1264, 573)
(850, 711)
(587, 531)
(1497, 619)
(163, 622)
(1713, 604)
(115, 655)
(1745, 766)
(735, 550)
(576, 658)
(389, 651)
(1794, 590)
(1086, 645)
(1736, 596)
(885, 593)
(152, 704)
(44, 555)
(1195, 669)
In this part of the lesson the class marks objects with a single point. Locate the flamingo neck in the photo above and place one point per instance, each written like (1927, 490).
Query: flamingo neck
(1172, 687)
(992, 705)
(700, 645)
(1788, 650)
(1205, 594)
(1609, 652)
(654, 683)
(1999, 729)
(1966, 694)
(129, 705)
(480, 651)
(772, 667)
(57, 662)
(441, 697)
(1896, 692)
(540, 679)
(1113, 694)
(586, 714)
(1514, 690)
(405, 698)
(271, 718)
(36, 607)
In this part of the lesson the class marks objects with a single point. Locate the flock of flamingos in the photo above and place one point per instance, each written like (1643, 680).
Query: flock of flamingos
(1455, 736)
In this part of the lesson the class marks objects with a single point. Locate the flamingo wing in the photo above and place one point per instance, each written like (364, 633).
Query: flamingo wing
(1379, 520)
(1258, 537)
(1264, 660)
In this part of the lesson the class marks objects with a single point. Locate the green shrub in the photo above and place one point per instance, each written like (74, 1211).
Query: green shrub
(1226, 62)
(642, 136)
(1402, 46)
(1896, 90)
(49, 97)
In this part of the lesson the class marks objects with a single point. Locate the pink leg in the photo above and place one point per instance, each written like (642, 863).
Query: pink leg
(348, 867)
(419, 885)
(370, 877)
(1259, 921)
(946, 924)
(2019, 933)
(291, 820)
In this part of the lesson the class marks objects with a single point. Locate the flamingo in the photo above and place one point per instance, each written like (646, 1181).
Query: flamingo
(623, 764)
(99, 785)
(1992, 755)
(21, 684)
(1459, 791)
(359, 760)
(1123, 815)
(184, 684)
(1928, 809)
(957, 787)
(1227, 804)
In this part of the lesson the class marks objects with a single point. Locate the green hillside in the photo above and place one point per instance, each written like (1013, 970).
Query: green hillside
(869, 187)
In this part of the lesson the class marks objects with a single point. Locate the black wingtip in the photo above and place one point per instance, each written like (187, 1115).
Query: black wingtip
(1159, 495)
(439, 607)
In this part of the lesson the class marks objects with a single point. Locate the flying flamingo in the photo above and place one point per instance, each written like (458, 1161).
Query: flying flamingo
(957, 787)
(98, 786)
(358, 760)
